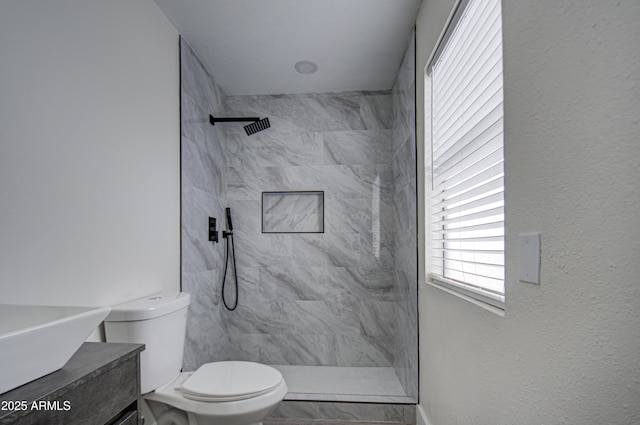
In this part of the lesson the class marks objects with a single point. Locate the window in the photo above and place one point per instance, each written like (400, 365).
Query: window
(466, 205)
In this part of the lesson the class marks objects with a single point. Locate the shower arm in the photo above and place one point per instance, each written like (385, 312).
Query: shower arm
(214, 120)
(256, 125)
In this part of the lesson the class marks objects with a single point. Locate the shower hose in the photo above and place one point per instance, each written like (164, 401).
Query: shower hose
(230, 247)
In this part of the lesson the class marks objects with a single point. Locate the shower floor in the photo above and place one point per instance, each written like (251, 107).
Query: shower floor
(350, 384)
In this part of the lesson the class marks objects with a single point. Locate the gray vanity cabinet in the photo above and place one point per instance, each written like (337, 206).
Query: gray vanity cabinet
(99, 385)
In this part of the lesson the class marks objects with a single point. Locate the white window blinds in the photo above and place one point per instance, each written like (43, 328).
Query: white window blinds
(467, 203)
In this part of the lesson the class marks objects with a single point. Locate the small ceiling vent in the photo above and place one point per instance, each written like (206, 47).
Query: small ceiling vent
(306, 67)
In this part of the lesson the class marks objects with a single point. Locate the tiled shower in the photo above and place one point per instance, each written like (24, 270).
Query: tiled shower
(331, 281)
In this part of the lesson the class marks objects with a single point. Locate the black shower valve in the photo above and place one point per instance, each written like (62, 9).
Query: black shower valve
(213, 230)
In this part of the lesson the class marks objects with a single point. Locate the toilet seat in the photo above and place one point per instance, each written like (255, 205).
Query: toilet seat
(248, 410)
(230, 381)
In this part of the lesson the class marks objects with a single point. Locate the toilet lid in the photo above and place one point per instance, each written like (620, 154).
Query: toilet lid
(228, 381)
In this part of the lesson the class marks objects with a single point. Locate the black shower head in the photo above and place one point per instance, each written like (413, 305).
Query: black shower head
(259, 125)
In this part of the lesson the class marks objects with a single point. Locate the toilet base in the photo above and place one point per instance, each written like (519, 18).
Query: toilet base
(167, 406)
(167, 415)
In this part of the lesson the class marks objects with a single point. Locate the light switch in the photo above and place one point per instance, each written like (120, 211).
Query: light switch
(529, 257)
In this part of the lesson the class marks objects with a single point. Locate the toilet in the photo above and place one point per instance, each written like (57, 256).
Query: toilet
(218, 393)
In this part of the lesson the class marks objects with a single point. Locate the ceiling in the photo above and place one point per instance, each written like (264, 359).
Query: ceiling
(251, 46)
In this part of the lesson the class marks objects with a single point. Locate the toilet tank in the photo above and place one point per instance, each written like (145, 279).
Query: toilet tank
(159, 322)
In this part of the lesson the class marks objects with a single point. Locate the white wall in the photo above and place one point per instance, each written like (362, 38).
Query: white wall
(567, 351)
(89, 151)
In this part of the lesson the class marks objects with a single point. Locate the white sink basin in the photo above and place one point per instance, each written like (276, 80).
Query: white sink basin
(38, 340)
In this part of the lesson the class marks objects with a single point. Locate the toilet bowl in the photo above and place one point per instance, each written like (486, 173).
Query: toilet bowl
(218, 393)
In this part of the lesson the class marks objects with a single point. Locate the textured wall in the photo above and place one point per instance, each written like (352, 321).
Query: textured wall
(566, 351)
(405, 224)
(313, 299)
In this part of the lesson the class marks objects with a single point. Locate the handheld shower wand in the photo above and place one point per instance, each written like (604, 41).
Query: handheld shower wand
(228, 237)
(229, 224)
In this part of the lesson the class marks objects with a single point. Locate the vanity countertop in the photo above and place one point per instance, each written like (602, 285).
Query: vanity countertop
(90, 361)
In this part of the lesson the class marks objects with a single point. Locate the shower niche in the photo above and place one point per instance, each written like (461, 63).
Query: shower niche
(293, 212)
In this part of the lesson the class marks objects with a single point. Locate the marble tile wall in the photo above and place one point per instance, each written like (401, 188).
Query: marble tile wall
(204, 194)
(404, 197)
(314, 298)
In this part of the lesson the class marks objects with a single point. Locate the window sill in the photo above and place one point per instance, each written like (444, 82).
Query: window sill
(497, 307)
